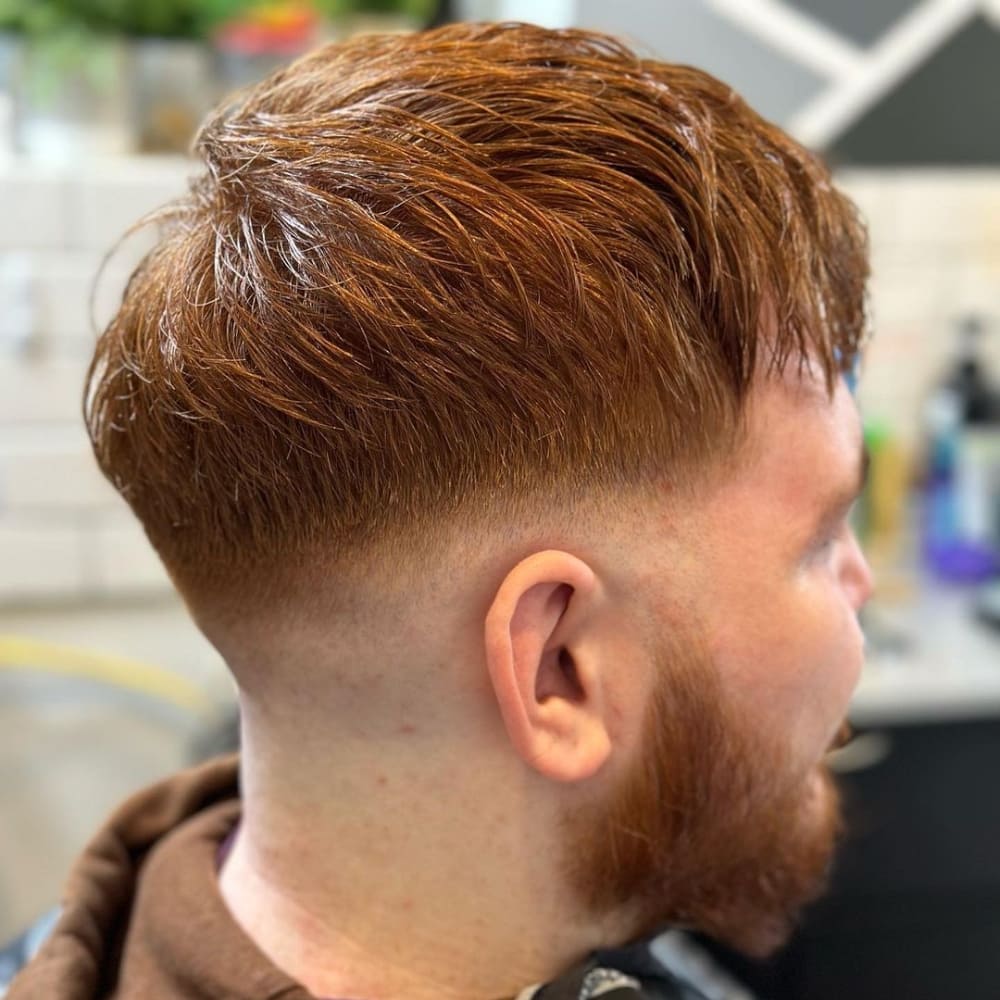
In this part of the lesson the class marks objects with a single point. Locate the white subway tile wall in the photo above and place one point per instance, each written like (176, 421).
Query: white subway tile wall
(935, 238)
(52, 472)
(41, 558)
(36, 210)
(65, 534)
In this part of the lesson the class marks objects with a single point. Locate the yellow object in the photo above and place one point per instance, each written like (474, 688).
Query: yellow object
(35, 656)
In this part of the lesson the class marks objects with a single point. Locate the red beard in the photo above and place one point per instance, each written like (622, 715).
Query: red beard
(712, 829)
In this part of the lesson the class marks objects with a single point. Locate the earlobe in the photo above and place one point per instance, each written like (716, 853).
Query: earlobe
(545, 665)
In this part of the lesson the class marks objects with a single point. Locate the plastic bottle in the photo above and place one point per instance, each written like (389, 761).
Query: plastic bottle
(962, 488)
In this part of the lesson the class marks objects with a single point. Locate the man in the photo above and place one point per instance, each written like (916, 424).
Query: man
(484, 400)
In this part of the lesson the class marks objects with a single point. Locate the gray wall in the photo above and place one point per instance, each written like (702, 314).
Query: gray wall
(689, 32)
(946, 111)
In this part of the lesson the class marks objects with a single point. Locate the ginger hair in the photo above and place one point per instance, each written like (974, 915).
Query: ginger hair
(436, 278)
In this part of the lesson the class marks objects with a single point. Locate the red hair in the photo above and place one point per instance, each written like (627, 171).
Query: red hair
(451, 273)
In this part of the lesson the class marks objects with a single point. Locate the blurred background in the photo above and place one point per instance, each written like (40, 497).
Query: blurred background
(105, 684)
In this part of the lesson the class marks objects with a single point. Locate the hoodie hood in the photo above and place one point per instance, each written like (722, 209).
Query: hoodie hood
(141, 915)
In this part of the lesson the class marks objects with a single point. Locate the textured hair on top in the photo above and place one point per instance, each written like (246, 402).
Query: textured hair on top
(452, 274)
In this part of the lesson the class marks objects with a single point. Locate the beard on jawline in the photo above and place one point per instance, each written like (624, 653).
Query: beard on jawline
(713, 829)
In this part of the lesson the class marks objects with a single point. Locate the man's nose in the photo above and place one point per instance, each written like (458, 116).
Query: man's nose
(857, 574)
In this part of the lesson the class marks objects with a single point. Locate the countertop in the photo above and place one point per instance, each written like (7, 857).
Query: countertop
(929, 659)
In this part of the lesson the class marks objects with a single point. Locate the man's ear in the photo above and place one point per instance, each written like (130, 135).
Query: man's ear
(544, 662)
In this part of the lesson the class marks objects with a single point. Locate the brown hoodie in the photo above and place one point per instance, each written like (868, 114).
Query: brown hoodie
(142, 916)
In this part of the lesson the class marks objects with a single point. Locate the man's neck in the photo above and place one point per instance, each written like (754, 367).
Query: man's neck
(392, 889)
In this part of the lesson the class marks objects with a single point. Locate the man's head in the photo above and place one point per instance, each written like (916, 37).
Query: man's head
(511, 359)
